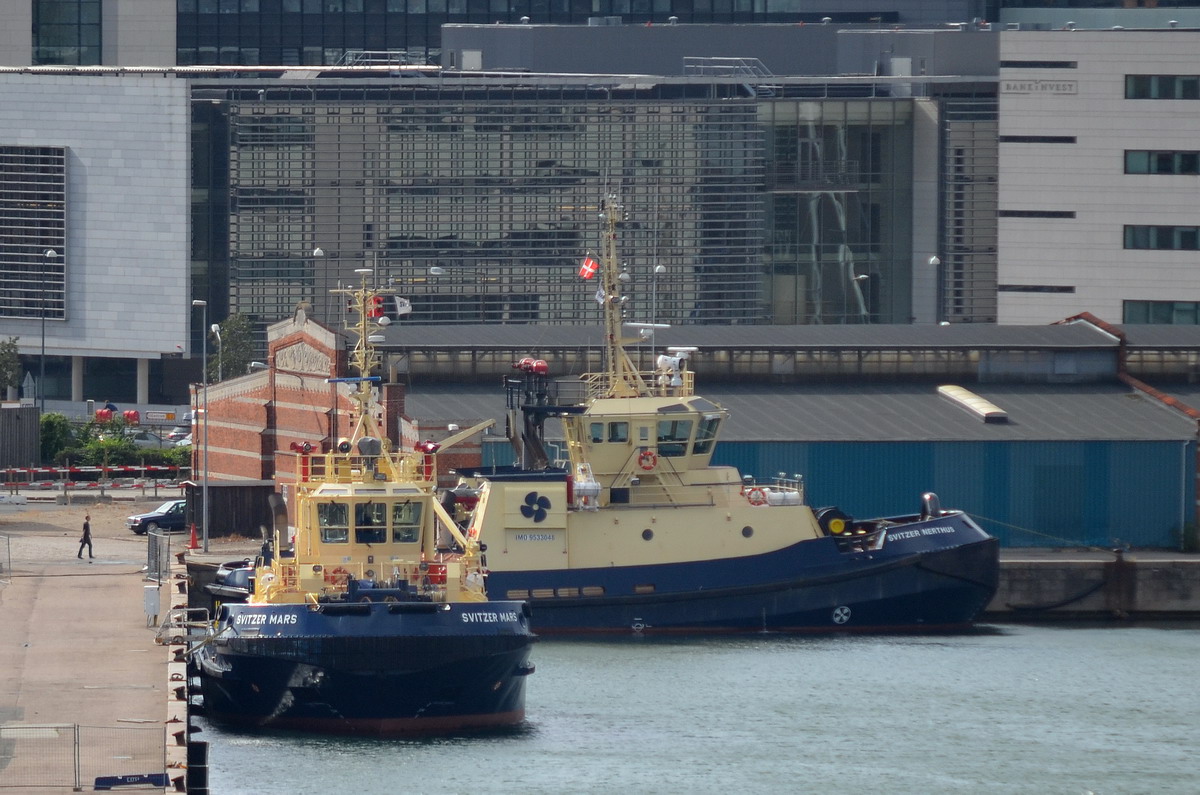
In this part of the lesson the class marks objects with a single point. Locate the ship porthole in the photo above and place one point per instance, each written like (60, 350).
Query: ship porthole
(747, 531)
(647, 534)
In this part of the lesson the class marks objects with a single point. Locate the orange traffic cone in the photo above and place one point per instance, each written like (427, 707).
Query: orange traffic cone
(193, 544)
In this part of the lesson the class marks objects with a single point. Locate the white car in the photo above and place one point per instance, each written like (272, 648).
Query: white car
(142, 438)
(184, 442)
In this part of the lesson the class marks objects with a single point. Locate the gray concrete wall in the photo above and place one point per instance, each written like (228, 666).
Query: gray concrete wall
(641, 49)
(16, 34)
(661, 49)
(138, 33)
(128, 209)
(926, 52)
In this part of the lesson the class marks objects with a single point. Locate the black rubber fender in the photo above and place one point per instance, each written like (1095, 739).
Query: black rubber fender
(834, 521)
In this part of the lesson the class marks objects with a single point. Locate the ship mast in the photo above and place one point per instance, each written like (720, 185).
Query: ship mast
(623, 379)
(365, 303)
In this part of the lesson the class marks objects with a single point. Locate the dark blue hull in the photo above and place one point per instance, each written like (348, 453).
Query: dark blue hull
(937, 573)
(368, 668)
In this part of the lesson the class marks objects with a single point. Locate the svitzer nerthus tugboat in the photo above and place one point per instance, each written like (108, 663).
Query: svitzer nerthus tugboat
(634, 529)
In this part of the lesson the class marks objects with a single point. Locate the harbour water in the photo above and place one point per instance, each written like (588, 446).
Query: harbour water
(1005, 709)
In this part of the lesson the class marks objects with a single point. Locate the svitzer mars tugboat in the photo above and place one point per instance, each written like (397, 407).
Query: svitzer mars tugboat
(364, 622)
(637, 530)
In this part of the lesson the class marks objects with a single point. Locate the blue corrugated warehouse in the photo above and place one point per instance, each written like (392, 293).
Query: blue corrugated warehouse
(1083, 454)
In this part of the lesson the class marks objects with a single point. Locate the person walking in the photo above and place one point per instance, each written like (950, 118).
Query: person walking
(86, 539)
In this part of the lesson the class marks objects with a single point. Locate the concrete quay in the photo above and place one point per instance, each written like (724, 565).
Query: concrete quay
(1095, 584)
(88, 688)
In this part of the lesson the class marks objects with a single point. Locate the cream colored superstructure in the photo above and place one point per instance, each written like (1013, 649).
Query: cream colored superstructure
(637, 487)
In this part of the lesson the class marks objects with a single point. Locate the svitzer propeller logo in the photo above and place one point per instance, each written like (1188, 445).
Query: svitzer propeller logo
(535, 506)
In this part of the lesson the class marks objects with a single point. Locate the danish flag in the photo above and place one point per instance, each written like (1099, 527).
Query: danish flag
(587, 269)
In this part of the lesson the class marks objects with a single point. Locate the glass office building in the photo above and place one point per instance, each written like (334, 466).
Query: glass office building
(320, 32)
(477, 200)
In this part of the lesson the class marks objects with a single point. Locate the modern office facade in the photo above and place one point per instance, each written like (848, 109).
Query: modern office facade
(476, 196)
(321, 32)
(1098, 164)
(94, 231)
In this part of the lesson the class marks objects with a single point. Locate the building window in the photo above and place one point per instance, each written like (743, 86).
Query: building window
(1141, 161)
(1174, 313)
(1036, 213)
(1035, 288)
(1037, 139)
(33, 221)
(1170, 238)
(1162, 86)
(1038, 64)
(66, 32)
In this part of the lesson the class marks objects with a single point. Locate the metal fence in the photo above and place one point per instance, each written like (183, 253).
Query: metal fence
(82, 757)
(158, 557)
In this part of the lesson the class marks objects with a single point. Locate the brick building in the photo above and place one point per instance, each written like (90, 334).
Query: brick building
(257, 418)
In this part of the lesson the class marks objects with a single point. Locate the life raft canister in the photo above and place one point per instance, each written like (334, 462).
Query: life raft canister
(648, 460)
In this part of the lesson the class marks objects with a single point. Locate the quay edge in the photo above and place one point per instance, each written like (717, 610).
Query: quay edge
(1049, 585)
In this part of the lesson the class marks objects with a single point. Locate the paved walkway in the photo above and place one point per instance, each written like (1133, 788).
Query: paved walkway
(76, 648)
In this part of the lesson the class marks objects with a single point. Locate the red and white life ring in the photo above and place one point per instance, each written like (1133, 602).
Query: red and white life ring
(648, 460)
(757, 496)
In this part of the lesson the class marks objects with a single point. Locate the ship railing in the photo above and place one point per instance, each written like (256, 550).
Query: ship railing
(189, 624)
(861, 541)
(774, 489)
(354, 468)
(658, 384)
(426, 578)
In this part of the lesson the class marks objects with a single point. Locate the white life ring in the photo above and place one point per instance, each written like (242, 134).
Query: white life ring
(648, 460)
(756, 496)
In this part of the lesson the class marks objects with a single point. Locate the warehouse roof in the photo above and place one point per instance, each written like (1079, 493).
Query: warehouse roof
(880, 412)
(534, 338)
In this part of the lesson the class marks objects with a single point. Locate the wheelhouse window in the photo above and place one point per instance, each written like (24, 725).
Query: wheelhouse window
(596, 431)
(706, 435)
(618, 431)
(334, 520)
(370, 523)
(406, 522)
(673, 437)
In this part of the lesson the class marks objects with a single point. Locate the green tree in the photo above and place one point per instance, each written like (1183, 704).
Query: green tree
(236, 349)
(56, 435)
(10, 365)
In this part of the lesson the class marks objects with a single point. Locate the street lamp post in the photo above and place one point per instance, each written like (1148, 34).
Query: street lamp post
(319, 252)
(935, 262)
(204, 440)
(216, 330)
(658, 270)
(48, 256)
(859, 280)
